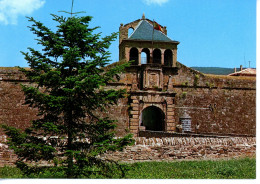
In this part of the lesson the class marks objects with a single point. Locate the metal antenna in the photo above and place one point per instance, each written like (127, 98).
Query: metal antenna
(249, 63)
(71, 8)
(71, 11)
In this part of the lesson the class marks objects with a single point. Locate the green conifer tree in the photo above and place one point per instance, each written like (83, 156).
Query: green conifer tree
(68, 78)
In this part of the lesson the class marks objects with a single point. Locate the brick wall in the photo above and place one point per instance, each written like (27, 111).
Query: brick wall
(176, 148)
(7, 156)
(171, 148)
(231, 102)
(216, 104)
(221, 105)
(12, 109)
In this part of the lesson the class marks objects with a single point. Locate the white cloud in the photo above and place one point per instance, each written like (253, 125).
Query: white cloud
(11, 9)
(158, 2)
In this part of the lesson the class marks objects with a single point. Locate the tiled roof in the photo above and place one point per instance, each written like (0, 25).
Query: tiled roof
(144, 31)
(245, 72)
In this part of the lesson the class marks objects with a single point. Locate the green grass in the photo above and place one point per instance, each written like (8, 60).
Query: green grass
(221, 169)
(224, 169)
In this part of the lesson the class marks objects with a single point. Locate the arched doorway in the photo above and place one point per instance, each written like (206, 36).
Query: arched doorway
(168, 57)
(153, 119)
(134, 55)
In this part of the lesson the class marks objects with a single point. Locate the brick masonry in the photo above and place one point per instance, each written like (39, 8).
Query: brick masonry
(188, 148)
(221, 105)
(12, 109)
(228, 102)
(167, 149)
(216, 104)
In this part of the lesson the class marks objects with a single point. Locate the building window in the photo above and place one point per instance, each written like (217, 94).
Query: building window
(157, 56)
(145, 56)
(134, 56)
(168, 57)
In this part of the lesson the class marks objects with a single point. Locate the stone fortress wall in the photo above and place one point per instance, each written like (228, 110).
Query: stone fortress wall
(167, 149)
(217, 105)
(220, 105)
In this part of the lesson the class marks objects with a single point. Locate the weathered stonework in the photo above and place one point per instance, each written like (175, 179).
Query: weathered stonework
(12, 109)
(188, 148)
(167, 149)
(220, 105)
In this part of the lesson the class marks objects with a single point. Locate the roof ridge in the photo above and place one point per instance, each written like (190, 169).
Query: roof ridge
(157, 34)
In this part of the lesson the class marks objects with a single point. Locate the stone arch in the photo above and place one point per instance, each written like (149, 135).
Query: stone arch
(133, 55)
(130, 31)
(157, 56)
(168, 57)
(153, 118)
(145, 56)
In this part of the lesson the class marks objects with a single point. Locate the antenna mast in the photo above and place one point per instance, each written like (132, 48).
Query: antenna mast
(71, 11)
(71, 8)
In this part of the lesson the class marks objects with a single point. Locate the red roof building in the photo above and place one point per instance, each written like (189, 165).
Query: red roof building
(251, 72)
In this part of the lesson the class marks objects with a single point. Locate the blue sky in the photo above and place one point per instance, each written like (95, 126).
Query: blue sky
(220, 33)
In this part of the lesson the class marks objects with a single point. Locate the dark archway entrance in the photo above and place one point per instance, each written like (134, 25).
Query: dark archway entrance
(168, 57)
(157, 56)
(153, 119)
(134, 55)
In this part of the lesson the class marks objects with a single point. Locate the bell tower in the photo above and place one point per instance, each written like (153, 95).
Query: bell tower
(153, 57)
(148, 43)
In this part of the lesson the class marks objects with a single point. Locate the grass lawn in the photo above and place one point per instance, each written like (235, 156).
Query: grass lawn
(222, 169)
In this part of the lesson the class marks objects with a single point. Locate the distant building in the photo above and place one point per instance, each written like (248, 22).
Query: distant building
(250, 72)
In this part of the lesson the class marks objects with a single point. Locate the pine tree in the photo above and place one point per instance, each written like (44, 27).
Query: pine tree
(68, 79)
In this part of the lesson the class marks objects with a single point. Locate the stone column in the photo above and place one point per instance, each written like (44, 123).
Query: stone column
(127, 53)
(162, 56)
(171, 126)
(139, 55)
(134, 116)
(151, 56)
(174, 57)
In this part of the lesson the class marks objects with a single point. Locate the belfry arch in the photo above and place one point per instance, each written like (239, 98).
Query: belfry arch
(157, 58)
(168, 57)
(134, 55)
(153, 119)
(145, 56)
(130, 31)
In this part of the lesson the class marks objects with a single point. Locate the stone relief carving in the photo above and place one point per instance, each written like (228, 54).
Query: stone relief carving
(153, 80)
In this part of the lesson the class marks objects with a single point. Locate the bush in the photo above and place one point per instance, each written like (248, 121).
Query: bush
(10, 172)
